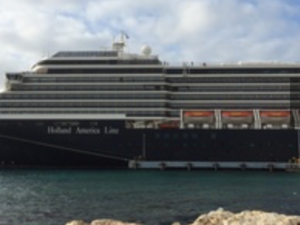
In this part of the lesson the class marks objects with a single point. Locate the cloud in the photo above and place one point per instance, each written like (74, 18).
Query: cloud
(193, 30)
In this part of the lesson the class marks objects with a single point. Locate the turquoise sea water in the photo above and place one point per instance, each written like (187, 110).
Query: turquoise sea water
(54, 197)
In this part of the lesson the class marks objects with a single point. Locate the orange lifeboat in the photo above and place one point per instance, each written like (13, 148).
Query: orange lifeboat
(275, 113)
(198, 114)
(237, 114)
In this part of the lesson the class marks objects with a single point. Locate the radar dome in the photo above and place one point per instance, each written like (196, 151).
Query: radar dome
(146, 50)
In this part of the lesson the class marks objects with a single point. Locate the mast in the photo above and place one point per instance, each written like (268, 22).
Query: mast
(120, 45)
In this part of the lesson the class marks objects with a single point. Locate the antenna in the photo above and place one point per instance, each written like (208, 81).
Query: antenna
(119, 45)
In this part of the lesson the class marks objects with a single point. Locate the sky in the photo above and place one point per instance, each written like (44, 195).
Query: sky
(176, 30)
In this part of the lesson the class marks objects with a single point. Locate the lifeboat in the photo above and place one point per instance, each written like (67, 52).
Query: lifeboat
(275, 113)
(198, 114)
(237, 114)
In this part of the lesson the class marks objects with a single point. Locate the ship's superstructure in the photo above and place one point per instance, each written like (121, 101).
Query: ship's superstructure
(152, 111)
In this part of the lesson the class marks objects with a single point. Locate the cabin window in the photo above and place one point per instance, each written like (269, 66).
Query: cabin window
(166, 136)
(185, 135)
(166, 144)
(194, 136)
(175, 136)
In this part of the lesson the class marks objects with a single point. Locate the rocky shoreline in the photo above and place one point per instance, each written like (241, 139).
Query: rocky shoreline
(219, 217)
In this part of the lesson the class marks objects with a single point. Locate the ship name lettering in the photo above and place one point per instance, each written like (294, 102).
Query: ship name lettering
(111, 130)
(87, 130)
(59, 130)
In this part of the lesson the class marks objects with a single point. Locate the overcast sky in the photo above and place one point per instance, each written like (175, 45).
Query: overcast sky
(177, 30)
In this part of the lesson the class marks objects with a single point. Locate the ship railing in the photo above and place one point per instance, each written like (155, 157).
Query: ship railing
(229, 64)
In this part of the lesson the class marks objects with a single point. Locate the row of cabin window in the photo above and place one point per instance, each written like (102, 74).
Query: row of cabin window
(160, 79)
(177, 71)
(84, 104)
(226, 150)
(105, 71)
(237, 97)
(110, 112)
(194, 135)
(228, 80)
(86, 54)
(84, 96)
(178, 106)
(222, 105)
(154, 96)
(93, 79)
(86, 87)
(100, 62)
(155, 87)
(206, 70)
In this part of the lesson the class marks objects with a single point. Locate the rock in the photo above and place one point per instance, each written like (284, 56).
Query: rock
(213, 218)
(111, 222)
(176, 223)
(221, 217)
(77, 222)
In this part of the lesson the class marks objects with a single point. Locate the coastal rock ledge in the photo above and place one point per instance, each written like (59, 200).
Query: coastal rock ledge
(220, 217)
(102, 222)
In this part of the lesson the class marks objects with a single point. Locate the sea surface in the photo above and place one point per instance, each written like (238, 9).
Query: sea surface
(54, 197)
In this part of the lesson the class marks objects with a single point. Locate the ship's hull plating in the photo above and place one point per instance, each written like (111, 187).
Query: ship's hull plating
(111, 144)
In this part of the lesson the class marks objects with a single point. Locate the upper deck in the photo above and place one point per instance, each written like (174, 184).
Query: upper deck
(142, 86)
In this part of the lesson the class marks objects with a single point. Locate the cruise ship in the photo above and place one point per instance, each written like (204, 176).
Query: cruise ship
(114, 109)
